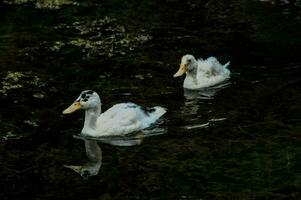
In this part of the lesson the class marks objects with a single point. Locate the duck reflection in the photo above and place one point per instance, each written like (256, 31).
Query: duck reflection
(94, 153)
(197, 110)
(206, 93)
(91, 168)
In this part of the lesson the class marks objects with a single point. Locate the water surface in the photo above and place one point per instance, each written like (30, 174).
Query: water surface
(240, 140)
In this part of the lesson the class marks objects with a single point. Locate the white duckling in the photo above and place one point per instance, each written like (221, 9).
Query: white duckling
(120, 119)
(202, 73)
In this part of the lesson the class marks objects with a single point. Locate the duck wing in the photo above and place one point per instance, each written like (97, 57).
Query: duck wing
(120, 119)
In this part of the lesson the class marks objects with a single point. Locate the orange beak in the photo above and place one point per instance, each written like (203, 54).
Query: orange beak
(74, 107)
(181, 70)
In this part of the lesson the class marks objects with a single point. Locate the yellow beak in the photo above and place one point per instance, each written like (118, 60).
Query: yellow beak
(74, 107)
(181, 70)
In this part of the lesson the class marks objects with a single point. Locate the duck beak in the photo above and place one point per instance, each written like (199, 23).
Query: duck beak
(74, 107)
(181, 70)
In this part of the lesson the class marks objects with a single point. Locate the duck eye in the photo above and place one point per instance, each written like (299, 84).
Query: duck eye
(188, 60)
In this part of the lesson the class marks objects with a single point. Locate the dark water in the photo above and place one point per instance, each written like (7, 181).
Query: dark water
(241, 141)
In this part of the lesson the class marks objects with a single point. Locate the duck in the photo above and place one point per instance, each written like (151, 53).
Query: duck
(202, 73)
(121, 119)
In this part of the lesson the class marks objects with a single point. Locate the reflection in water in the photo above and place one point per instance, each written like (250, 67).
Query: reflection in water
(206, 93)
(289, 7)
(94, 155)
(124, 141)
(197, 108)
(94, 152)
(188, 127)
(205, 125)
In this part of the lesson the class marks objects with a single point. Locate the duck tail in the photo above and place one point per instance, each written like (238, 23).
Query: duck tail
(227, 64)
(154, 113)
(159, 111)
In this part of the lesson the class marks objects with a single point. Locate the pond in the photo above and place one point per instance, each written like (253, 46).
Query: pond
(240, 140)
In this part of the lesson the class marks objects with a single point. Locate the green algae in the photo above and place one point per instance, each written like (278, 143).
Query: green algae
(11, 81)
(100, 37)
(10, 136)
(14, 80)
(104, 37)
(44, 4)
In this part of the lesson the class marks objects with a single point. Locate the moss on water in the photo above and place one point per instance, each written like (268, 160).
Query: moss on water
(43, 4)
(13, 81)
(100, 37)
(105, 37)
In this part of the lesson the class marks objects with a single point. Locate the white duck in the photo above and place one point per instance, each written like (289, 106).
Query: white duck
(120, 119)
(202, 73)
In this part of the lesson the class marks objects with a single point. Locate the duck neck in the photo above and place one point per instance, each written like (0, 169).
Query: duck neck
(91, 116)
(192, 73)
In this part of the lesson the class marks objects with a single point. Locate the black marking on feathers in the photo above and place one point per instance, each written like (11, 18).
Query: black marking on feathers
(148, 110)
(89, 92)
(85, 99)
(132, 105)
(86, 95)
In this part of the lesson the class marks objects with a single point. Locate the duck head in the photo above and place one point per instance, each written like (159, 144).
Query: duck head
(87, 100)
(188, 63)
